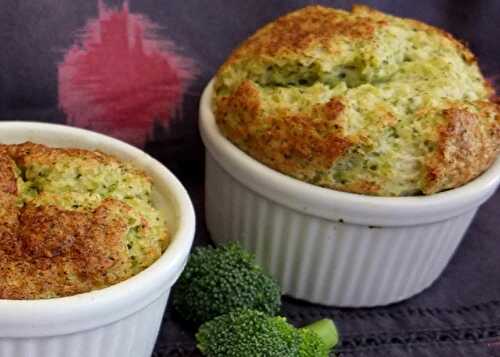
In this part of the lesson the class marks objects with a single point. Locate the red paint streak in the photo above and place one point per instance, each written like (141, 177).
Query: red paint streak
(121, 78)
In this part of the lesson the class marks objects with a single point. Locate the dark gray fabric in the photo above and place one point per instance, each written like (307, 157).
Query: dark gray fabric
(458, 316)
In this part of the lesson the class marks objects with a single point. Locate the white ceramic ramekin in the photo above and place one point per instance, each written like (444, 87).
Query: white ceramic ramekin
(122, 320)
(331, 247)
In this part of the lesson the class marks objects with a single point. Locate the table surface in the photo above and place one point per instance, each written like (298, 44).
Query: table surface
(459, 315)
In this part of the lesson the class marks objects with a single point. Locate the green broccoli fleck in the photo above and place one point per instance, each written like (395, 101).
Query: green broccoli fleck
(250, 333)
(219, 280)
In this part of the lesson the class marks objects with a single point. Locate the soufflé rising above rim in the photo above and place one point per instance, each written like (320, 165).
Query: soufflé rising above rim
(359, 101)
(73, 221)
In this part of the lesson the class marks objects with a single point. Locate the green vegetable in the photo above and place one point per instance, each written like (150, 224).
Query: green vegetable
(318, 338)
(219, 280)
(250, 333)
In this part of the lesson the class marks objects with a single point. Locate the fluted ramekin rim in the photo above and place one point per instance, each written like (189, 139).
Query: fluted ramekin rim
(64, 315)
(337, 205)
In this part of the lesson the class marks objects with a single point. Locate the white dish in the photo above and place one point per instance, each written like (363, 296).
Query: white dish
(331, 247)
(122, 320)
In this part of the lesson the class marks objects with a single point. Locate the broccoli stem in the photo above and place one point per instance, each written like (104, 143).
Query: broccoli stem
(326, 330)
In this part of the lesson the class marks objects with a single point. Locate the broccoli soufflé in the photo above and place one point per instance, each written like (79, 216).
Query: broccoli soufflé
(72, 221)
(359, 101)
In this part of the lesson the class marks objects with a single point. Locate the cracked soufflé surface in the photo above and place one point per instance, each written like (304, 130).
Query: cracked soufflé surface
(359, 101)
(72, 221)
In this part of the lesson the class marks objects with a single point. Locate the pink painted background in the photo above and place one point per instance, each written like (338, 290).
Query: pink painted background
(121, 78)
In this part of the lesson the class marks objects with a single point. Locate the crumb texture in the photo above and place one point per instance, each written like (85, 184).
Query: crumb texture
(72, 221)
(359, 101)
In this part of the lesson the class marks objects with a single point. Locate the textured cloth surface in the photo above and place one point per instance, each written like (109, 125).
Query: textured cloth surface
(457, 316)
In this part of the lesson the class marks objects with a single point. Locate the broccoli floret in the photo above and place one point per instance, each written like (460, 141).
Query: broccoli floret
(318, 338)
(219, 280)
(244, 333)
(250, 333)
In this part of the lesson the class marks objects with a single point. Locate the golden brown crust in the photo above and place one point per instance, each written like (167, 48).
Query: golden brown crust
(48, 251)
(246, 101)
(48, 231)
(320, 27)
(460, 46)
(291, 142)
(312, 26)
(466, 148)
(107, 255)
(29, 152)
(64, 252)
(8, 181)
(8, 206)
(363, 187)
(354, 101)
(9, 223)
(294, 143)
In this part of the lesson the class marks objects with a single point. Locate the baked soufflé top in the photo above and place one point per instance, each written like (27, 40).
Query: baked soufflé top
(359, 101)
(72, 221)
